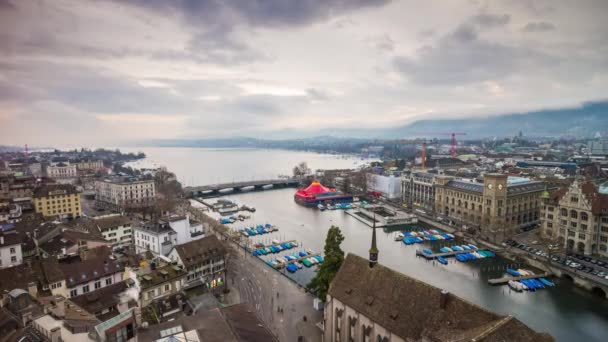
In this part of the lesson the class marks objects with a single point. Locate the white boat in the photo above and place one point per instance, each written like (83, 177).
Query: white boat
(275, 241)
(298, 265)
(321, 207)
(524, 272)
(516, 286)
(399, 237)
(313, 260)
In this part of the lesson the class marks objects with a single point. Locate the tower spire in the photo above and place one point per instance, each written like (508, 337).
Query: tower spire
(373, 251)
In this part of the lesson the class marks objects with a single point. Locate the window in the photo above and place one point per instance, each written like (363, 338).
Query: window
(97, 284)
(73, 293)
(582, 236)
(604, 238)
(12, 250)
(574, 199)
(167, 287)
(584, 216)
(564, 212)
(573, 214)
(109, 281)
(13, 259)
(85, 289)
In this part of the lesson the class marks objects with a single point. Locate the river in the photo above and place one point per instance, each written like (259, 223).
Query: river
(566, 312)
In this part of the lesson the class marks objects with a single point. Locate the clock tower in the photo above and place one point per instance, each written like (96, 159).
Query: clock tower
(494, 206)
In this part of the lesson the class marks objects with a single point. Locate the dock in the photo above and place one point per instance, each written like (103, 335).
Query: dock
(281, 265)
(504, 280)
(274, 244)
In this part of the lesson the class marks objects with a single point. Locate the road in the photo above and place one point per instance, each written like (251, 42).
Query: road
(267, 290)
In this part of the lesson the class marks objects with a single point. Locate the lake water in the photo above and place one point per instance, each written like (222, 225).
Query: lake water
(566, 312)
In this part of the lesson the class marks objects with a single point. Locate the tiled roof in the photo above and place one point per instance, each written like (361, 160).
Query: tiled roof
(194, 252)
(466, 186)
(108, 222)
(160, 275)
(99, 300)
(78, 271)
(411, 309)
(525, 187)
(43, 191)
(599, 202)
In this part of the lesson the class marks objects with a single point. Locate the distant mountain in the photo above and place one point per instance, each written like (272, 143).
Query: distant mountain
(583, 121)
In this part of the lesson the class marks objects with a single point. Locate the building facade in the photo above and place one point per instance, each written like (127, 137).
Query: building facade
(388, 186)
(10, 250)
(61, 170)
(186, 228)
(418, 190)
(204, 260)
(576, 217)
(157, 238)
(58, 200)
(123, 193)
(89, 165)
(495, 209)
(116, 229)
(160, 283)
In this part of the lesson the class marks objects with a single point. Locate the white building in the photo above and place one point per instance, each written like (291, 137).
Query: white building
(388, 186)
(186, 229)
(10, 250)
(84, 276)
(204, 259)
(61, 170)
(121, 193)
(115, 228)
(157, 238)
(419, 189)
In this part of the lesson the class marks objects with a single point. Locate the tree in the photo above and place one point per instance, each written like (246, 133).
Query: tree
(334, 256)
(301, 170)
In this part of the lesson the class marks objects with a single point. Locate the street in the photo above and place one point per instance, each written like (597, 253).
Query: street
(268, 291)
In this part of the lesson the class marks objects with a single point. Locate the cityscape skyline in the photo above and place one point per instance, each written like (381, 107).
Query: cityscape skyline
(191, 69)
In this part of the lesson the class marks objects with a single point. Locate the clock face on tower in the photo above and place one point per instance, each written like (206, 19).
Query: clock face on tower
(490, 186)
(499, 186)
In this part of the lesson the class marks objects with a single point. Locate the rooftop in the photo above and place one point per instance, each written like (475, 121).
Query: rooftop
(194, 252)
(421, 314)
(54, 190)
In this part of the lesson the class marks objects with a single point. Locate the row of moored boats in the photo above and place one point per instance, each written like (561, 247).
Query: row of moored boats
(278, 247)
(527, 284)
(410, 238)
(294, 262)
(258, 230)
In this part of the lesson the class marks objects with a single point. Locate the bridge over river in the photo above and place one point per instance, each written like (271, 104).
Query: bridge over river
(255, 185)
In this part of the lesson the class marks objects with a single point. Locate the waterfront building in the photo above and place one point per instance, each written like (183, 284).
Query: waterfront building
(496, 209)
(316, 194)
(576, 217)
(389, 186)
(119, 193)
(115, 228)
(88, 272)
(58, 200)
(418, 190)
(61, 170)
(10, 249)
(204, 260)
(157, 238)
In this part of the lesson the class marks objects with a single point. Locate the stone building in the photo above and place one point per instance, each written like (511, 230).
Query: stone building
(124, 193)
(576, 217)
(496, 209)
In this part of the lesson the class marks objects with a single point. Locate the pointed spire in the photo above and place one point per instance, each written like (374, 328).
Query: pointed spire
(373, 251)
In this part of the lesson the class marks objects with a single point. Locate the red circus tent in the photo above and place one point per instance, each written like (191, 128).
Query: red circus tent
(313, 189)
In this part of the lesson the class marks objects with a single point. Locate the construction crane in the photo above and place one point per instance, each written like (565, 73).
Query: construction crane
(453, 150)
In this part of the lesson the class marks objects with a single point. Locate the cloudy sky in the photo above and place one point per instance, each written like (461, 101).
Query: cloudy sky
(106, 72)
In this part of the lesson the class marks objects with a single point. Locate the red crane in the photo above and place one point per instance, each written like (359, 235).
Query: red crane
(453, 140)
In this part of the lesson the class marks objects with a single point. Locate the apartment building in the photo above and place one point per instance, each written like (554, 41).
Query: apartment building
(204, 260)
(115, 228)
(186, 228)
(58, 200)
(160, 283)
(495, 209)
(119, 193)
(89, 165)
(158, 238)
(576, 217)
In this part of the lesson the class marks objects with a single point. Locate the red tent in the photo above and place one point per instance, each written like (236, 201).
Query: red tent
(316, 188)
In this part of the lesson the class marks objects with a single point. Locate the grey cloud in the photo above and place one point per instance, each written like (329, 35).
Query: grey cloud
(462, 56)
(317, 94)
(541, 26)
(490, 20)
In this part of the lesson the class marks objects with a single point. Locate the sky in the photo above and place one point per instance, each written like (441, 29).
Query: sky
(109, 72)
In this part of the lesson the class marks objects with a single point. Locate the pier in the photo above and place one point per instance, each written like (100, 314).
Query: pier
(256, 185)
(283, 264)
(504, 280)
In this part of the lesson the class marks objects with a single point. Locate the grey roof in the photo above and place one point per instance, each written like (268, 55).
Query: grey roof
(525, 187)
(466, 186)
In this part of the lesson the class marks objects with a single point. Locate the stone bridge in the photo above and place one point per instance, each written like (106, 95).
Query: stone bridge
(214, 189)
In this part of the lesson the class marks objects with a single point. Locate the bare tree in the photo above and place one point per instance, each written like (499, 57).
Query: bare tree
(301, 170)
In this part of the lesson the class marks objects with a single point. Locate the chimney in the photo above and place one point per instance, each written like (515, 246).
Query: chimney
(443, 300)
(32, 289)
(56, 334)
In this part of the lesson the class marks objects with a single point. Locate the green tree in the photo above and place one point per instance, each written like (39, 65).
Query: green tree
(334, 256)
